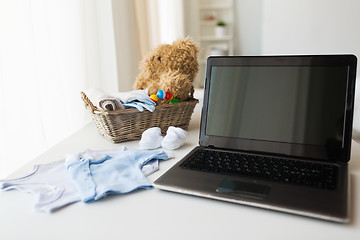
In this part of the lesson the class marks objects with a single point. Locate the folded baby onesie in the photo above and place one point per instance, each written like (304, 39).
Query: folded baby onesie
(97, 175)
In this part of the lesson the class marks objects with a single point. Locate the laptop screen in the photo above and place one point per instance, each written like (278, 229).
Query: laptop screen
(297, 109)
(300, 104)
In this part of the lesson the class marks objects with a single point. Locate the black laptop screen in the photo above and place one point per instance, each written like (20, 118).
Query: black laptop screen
(289, 104)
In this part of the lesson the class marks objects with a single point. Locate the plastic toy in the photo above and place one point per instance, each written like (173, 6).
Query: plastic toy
(174, 100)
(168, 96)
(154, 98)
(162, 95)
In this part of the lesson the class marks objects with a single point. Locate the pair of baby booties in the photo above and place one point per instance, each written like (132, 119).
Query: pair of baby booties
(152, 138)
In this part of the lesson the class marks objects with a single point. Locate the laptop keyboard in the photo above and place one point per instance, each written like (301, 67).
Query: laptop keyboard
(318, 175)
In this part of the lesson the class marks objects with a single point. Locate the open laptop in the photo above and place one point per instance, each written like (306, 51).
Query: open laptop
(275, 133)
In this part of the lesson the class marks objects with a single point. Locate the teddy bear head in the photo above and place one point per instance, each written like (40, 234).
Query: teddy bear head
(170, 67)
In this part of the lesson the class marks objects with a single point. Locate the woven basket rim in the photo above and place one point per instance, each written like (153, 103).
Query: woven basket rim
(91, 107)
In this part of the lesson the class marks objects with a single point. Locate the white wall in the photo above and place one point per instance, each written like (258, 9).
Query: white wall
(297, 27)
(248, 27)
(307, 26)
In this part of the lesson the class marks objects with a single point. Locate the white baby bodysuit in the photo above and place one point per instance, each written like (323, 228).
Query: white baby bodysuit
(50, 183)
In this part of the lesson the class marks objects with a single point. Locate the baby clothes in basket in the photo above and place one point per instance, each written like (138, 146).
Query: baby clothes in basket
(104, 100)
(138, 99)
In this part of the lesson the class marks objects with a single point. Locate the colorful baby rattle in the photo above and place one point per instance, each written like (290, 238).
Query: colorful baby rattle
(154, 98)
(161, 94)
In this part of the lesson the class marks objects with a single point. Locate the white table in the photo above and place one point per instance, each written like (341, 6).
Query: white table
(156, 214)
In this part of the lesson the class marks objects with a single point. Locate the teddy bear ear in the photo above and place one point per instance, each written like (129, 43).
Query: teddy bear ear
(187, 44)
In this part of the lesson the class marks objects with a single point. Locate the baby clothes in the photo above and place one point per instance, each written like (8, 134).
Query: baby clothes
(175, 138)
(55, 188)
(138, 99)
(50, 183)
(151, 167)
(151, 138)
(103, 100)
(96, 175)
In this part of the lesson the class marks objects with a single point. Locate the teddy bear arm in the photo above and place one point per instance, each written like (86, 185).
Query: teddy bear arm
(178, 84)
(145, 83)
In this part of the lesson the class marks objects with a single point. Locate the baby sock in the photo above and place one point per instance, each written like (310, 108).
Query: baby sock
(175, 138)
(151, 138)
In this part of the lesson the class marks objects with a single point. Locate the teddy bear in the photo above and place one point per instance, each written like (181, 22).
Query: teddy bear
(171, 68)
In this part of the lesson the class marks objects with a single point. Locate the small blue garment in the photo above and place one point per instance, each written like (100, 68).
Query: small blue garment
(140, 105)
(138, 99)
(97, 175)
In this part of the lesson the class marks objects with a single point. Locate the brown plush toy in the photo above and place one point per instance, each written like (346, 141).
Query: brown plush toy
(171, 68)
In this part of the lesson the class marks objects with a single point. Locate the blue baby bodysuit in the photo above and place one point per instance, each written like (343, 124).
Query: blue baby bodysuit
(97, 175)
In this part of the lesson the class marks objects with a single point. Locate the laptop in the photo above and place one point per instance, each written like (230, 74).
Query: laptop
(275, 133)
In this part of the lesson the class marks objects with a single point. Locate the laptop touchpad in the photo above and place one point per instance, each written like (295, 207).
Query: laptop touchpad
(243, 188)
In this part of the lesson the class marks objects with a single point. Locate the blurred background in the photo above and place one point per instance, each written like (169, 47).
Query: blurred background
(50, 50)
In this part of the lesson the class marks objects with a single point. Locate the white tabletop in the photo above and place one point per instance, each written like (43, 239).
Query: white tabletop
(156, 214)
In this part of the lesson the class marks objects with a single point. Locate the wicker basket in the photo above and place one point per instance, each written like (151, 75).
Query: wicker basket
(129, 124)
